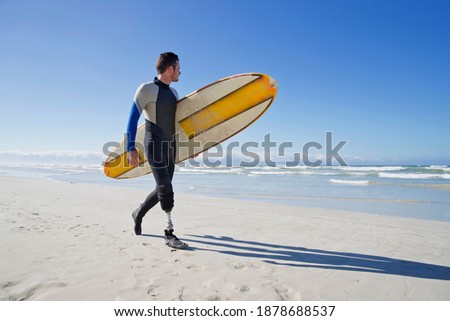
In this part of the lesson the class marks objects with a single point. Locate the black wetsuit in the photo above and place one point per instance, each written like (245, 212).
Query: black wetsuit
(158, 102)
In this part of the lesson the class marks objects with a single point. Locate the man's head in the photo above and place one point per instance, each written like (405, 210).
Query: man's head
(168, 67)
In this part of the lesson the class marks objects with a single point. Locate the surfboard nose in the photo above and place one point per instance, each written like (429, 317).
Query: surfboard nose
(273, 83)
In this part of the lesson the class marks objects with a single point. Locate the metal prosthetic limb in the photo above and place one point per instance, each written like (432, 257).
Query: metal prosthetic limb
(169, 221)
(171, 239)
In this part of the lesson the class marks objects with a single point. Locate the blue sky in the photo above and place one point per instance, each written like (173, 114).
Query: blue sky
(375, 73)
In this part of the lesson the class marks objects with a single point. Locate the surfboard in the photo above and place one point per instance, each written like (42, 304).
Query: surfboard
(204, 118)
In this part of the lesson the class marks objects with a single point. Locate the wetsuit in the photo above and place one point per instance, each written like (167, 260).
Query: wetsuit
(158, 102)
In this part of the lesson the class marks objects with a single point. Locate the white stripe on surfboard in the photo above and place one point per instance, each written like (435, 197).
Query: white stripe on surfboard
(225, 130)
(202, 98)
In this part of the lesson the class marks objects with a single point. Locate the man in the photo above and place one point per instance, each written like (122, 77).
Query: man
(158, 101)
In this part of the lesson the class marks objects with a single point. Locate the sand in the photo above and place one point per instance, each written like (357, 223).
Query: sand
(63, 241)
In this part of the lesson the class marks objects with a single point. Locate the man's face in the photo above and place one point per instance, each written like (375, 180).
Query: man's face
(175, 75)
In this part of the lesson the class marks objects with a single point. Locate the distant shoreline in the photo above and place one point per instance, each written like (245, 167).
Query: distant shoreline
(417, 192)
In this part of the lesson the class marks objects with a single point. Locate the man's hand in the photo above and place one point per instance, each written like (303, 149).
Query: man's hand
(133, 158)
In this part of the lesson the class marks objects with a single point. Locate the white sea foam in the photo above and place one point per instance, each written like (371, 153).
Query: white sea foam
(301, 167)
(414, 175)
(271, 173)
(269, 168)
(359, 174)
(349, 182)
(59, 154)
(75, 168)
(439, 168)
(310, 172)
(371, 168)
(205, 171)
(191, 173)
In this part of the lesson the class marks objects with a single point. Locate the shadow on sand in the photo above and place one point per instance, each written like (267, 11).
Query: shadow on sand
(294, 256)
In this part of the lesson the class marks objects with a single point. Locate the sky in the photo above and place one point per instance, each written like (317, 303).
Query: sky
(374, 73)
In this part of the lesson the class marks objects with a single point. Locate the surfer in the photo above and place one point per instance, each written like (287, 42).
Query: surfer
(158, 101)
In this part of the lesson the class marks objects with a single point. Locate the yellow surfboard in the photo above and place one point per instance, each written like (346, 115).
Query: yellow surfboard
(204, 119)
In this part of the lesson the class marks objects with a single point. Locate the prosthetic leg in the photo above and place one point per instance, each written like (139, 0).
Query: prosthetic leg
(171, 239)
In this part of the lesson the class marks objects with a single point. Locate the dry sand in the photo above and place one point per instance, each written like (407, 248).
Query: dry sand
(62, 241)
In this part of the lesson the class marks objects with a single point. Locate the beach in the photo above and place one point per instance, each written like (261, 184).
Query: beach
(75, 241)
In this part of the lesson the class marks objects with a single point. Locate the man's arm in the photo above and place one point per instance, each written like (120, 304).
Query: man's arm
(132, 127)
(133, 155)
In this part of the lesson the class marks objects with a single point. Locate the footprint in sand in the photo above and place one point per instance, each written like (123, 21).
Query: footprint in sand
(244, 288)
(74, 227)
(34, 290)
(281, 291)
(151, 290)
(8, 284)
(213, 297)
(238, 265)
(21, 229)
(194, 267)
(181, 293)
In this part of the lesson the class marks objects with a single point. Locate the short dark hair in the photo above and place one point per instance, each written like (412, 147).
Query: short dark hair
(165, 60)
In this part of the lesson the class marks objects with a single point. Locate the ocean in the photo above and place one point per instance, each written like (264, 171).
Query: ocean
(421, 192)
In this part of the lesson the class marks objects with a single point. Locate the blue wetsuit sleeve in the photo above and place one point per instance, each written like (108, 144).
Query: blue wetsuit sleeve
(132, 127)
